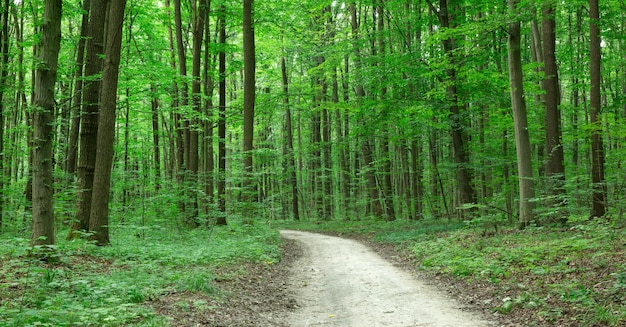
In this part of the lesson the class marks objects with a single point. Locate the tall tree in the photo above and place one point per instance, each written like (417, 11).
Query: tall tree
(221, 121)
(555, 169)
(290, 165)
(43, 210)
(99, 217)
(199, 19)
(457, 115)
(598, 205)
(387, 188)
(249, 68)
(72, 155)
(4, 72)
(520, 120)
(89, 114)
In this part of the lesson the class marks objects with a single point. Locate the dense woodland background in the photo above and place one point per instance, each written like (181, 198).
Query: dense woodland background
(311, 110)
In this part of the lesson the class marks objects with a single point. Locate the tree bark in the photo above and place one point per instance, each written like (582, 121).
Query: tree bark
(89, 113)
(4, 71)
(43, 210)
(289, 153)
(387, 188)
(156, 140)
(598, 205)
(99, 217)
(555, 169)
(459, 137)
(249, 68)
(221, 122)
(72, 155)
(520, 120)
(209, 87)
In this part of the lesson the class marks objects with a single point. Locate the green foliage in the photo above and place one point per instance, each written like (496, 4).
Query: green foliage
(109, 286)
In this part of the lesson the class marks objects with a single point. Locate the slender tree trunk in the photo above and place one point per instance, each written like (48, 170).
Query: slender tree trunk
(199, 16)
(184, 135)
(221, 123)
(459, 138)
(417, 184)
(387, 188)
(4, 71)
(290, 155)
(89, 113)
(522, 138)
(78, 91)
(368, 166)
(155, 140)
(249, 62)
(555, 169)
(99, 217)
(598, 205)
(43, 210)
(209, 163)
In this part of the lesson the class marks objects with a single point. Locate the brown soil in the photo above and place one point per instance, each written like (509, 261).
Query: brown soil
(260, 296)
(256, 296)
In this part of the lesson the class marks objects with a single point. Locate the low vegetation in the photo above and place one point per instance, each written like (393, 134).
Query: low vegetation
(562, 275)
(80, 284)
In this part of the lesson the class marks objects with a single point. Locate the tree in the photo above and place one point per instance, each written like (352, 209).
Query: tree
(4, 72)
(78, 91)
(99, 217)
(555, 169)
(290, 164)
(598, 204)
(43, 210)
(457, 116)
(221, 121)
(89, 114)
(249, 67)
(522, 138)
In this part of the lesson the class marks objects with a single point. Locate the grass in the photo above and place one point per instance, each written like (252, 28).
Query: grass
(573, 275)
(87, 285)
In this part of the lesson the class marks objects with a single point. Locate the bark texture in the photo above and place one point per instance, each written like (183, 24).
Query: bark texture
(45, 80)
(520, 120)
(99, 217)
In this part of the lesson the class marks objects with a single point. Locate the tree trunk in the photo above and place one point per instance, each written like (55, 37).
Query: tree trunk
(555, 169)
(72, 155)
(221, 122)
(598, 205)
(155, 140)
(43, 210)
(368, 166)
(387, 188)
(89, 113)
(183, 129)
(520, 120)
(290, 155)
(417, 184)
(459, 138)
(4, 71)
(249, 67)
(209, 87)
(199, 15)
(99, 217)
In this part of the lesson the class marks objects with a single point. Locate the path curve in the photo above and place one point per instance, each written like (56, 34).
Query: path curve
(341, 282)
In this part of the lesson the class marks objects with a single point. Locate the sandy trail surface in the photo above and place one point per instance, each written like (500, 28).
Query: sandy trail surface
(341, 282)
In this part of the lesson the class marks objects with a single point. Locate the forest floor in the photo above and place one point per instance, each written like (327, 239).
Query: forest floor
(299, 291)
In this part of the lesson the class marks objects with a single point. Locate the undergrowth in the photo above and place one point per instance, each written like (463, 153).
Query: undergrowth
(562, 275)
(85, 285)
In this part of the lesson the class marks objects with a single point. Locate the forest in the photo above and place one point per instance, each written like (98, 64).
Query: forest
(127, 124)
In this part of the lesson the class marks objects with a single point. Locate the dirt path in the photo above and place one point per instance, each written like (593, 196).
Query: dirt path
(341, 282)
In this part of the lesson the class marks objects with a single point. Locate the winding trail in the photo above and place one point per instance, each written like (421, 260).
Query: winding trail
(341, 282)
